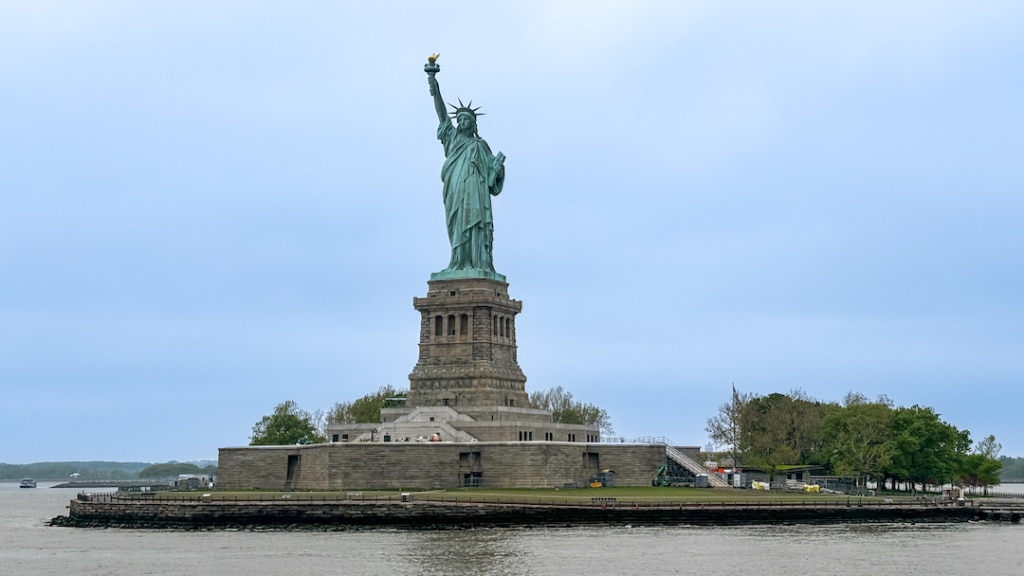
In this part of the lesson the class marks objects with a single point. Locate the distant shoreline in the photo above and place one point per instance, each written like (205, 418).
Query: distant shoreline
(107, 484)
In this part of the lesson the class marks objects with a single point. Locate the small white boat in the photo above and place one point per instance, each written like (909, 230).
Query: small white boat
(28, 483)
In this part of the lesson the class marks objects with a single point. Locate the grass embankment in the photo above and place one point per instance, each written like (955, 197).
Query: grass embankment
(557, 496)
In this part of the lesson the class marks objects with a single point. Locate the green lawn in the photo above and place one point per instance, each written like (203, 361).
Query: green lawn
(624, 495)
(641, 494)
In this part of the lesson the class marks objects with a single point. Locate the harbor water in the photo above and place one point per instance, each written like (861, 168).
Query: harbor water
(29, 547)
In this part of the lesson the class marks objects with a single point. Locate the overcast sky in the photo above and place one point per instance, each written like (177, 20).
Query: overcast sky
(211, 207)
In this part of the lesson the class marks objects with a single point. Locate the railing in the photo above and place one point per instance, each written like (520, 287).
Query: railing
(693, 466)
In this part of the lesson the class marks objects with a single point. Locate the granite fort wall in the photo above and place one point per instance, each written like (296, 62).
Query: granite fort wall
(355, 466)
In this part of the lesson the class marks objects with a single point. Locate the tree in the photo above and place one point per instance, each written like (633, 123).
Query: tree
(777, 429)
(982, 466)
(169, 470)
(926, 450)
(989, 448)
(763, 432)
(365, 409)
(287, 425)
(857, 436)
(565, 410)
(724, 428)
(339, 413)
(1013, 469)
(805, 423)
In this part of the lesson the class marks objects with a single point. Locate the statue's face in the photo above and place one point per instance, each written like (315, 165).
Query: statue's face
(467, 123)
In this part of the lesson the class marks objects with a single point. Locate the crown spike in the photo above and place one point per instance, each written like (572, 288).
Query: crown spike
(462, 107)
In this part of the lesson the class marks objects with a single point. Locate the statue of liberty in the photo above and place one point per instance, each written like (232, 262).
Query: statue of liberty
(471, 175)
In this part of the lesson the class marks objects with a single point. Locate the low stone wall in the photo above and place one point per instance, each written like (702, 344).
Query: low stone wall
(430, 515)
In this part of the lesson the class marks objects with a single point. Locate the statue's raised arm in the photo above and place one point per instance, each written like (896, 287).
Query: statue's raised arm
(431, 68)
(471, 175)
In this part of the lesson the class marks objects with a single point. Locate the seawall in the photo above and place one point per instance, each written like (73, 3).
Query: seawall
(431, 515)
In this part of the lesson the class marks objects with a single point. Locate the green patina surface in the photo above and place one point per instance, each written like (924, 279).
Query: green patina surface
(472, 273)
(471, 175)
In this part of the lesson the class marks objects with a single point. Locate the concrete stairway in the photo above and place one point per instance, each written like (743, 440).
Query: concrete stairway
(693, 466)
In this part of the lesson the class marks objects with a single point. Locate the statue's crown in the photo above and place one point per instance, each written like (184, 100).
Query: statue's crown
(464, 108)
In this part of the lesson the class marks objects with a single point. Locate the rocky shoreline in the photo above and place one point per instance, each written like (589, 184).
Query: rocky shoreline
(220, 515)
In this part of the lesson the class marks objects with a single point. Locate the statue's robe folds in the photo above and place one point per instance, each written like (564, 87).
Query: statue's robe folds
(471, 175)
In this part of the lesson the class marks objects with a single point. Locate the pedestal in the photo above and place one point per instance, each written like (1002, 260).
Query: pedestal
(467, 346)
